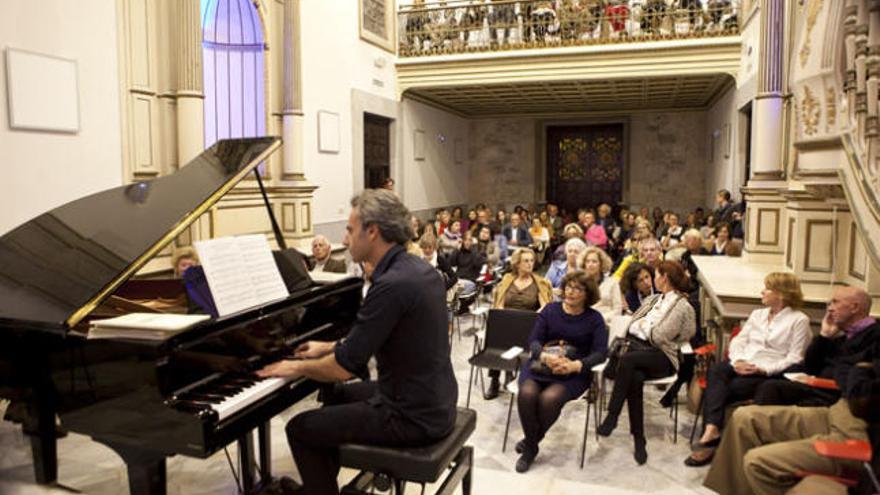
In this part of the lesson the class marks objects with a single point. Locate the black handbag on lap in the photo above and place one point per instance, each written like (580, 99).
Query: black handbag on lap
(618, 348)
(555, 347)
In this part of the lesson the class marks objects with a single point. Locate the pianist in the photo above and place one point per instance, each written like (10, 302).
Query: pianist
(402, 322)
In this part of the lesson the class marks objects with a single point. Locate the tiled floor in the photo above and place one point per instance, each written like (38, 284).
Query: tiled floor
(89, 467)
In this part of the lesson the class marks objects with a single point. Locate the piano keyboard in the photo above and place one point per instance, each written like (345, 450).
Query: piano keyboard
(228, 394)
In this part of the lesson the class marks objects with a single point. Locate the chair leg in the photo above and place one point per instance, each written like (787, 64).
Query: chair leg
(586, 430)
(470, 384)
(697, 418)
(507, 425)
(675, 423)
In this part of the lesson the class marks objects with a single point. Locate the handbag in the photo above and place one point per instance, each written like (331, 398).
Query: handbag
(556, 348)
(618, 348)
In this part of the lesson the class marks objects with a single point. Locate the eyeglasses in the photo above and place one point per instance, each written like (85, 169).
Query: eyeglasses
(575, 288)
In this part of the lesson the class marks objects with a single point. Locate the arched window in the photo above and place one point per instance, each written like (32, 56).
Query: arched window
(232, 57)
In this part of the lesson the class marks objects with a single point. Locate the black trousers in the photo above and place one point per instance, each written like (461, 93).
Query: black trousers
(723, 387)
(347, 417)
(782, 392)
(634, 368)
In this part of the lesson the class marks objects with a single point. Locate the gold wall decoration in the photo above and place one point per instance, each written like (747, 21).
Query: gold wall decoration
(810, 112)
(830, 108)
(814, 7)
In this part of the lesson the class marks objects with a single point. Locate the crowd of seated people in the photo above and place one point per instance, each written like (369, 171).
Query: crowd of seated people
(434, 26)
(638, 266)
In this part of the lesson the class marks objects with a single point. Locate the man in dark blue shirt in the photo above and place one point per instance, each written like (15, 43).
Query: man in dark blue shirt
(402, 322)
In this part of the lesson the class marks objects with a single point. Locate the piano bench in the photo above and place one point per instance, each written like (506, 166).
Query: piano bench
(417, 464)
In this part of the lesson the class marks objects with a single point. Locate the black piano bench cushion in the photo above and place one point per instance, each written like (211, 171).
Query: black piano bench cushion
(417, 464)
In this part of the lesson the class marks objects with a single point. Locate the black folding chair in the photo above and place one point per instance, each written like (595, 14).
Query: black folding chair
(505, 328)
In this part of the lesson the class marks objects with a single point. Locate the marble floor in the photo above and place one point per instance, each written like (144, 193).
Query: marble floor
(88, 467)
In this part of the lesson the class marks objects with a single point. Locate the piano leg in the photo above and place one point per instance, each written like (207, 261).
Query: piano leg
(265, 437)
(45, 456)
(146, 470)
(246, 463)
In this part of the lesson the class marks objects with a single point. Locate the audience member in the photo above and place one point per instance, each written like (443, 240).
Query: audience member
(470, 223)
(182, 259)
(555, 225)
(650, 254)
(767, 449)
(540, 239)
(848, 335)
(488, 247)
(500, 223)
(708, 227)
(693, 243)
(321, 261)
(450, 239)
(721, 244)
(674, 232)
(571, 231)
(516, 233)
(658, 329)
(596, 264)
(772, 342)
(559, 268)
(468, 262)
(428, 245)
(594, 234)
(520, 289)
(724, 212)
(544, 390)
(638, 285)
(442, 222)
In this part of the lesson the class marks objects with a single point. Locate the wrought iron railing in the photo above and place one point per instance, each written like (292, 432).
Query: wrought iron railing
(462, 26)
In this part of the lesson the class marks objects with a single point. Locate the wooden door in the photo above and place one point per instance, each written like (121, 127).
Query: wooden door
(585, 165)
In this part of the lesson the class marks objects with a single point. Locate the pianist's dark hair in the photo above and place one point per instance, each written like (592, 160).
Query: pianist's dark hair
(383, 208)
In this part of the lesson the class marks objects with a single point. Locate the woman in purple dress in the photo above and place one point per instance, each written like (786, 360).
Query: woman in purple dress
(573, 324)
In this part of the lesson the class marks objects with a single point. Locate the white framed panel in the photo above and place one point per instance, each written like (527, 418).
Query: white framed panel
(42, 92)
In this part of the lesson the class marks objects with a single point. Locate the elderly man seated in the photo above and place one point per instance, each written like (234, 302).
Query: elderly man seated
(320, 261)
(772, 446)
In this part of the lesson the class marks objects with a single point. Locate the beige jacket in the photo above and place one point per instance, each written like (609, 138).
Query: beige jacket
(677, 326)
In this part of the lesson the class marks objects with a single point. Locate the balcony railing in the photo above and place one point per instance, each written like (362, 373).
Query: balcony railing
(465, 26)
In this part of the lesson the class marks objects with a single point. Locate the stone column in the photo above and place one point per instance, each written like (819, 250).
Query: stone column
(190, 96)
(767, 110)
(292, 114)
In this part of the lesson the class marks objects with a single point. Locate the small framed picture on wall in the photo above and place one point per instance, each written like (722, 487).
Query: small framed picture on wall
(376, 23)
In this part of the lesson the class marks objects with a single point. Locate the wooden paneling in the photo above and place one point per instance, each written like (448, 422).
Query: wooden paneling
(858, 258)
(142, 132)
(789, 255)
(819, 246)
(768, 227)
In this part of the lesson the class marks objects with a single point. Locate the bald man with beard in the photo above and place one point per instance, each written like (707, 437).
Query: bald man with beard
(764, 447)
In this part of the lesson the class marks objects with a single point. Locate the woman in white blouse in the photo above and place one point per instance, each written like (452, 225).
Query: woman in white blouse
(596, 264)
(772, 341)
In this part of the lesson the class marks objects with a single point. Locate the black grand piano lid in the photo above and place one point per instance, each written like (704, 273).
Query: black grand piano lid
(58, 267)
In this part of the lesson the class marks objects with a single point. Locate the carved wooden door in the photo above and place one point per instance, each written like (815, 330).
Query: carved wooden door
(585, 165)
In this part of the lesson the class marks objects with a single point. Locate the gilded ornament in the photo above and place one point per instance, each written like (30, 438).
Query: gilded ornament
(814, 7)
(810, 112)
(830, 108)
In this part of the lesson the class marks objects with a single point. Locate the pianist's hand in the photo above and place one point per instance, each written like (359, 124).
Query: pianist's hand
(313, 349)
(283, 369)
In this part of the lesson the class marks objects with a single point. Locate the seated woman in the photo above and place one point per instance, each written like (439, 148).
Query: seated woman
(772, 342)
(573, 249)
(570, 231)
(450, 239)
(542, 395)
(488, 247)
(596, 264)
(658, 329)
(594, 234)
(540, 239)
(722, 240)
(638, 285)
(520, 289)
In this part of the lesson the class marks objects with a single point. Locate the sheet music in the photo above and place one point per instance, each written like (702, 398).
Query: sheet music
(241, 272)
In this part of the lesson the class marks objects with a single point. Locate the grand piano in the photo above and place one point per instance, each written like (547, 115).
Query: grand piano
(192, 394)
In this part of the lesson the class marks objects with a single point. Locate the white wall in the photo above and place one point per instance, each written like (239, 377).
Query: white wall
(334, 61)
(42, 170)
(725, 169)
(438, 180)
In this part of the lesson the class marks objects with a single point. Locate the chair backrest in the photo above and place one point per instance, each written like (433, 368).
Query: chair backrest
(506, 328)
